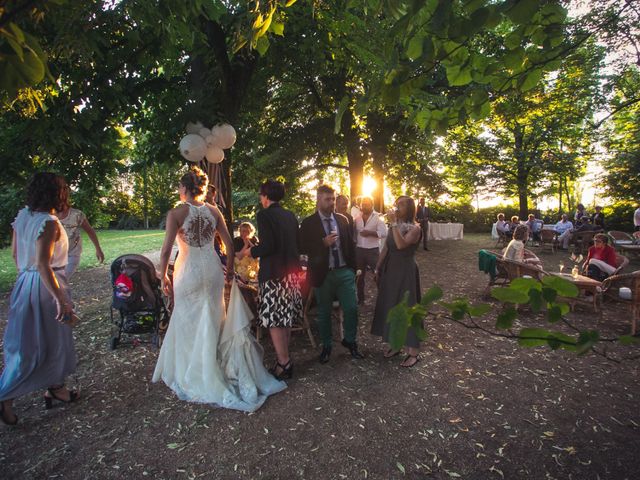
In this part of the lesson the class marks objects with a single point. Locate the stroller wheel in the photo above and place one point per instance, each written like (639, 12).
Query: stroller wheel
(114, 343)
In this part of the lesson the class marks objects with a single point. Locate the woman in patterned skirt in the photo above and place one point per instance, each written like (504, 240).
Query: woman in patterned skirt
(280, 297)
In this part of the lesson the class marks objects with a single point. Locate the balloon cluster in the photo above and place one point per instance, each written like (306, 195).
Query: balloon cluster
(201, 142)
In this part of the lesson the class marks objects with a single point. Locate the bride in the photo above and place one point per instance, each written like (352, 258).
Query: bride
(207, 356)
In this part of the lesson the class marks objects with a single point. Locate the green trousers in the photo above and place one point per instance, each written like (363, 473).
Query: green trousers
(338, 284)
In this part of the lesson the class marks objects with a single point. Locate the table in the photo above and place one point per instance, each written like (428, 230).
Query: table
(446, 231)
(630, 249)
(584, 284)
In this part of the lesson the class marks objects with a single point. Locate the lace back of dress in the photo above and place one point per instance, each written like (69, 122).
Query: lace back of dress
(199, 227)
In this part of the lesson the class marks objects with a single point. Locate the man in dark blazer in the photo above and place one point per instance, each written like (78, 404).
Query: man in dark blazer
(422, 216)
(327, 239)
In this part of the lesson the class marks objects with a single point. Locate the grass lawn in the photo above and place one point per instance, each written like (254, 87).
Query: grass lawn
(114, 243)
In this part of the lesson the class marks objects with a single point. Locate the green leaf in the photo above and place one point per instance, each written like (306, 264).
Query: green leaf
(531, 80)
(277, 28)
(513, 60)
(431, 295)
(525, 284)
(505, 318)
(16, 48)
(549, 294)
(535, 300)
(414, 49)
(563, 287)
(554, 313)
(398, 320)
(262, 45)
(509, 295)
(513, 40)
(586, 340)
(533, 337)
(458, 76)
(479, 310)
(458, 308)
(390, 94)
(428, 50)
(628, 340)
(19, 34)
(523, 11)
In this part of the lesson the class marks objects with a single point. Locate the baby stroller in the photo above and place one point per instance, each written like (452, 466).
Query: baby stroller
(138, 299)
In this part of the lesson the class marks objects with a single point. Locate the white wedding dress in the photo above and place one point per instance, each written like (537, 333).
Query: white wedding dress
(207, 356)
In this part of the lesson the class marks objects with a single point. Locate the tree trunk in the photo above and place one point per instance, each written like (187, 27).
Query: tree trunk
(522, 174)
(237, 73)
(560, 196)
(355, 155)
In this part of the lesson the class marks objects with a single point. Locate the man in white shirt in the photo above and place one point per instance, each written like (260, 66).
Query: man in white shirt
(563, 229)
(369, 230)
(636, 219)
(501, 225)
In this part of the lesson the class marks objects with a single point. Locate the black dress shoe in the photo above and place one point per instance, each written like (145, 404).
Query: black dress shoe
(325, 354)
(353, 349)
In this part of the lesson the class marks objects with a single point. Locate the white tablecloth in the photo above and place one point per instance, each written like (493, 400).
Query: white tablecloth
(446, 231)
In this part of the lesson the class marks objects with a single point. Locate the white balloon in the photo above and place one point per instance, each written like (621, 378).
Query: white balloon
(215, 154)
(225, 135)
(194, 127)
(211, 140)
(193, 147)
(204, 132)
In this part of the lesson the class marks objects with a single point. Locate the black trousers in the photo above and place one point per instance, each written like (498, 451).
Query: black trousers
(424, 224)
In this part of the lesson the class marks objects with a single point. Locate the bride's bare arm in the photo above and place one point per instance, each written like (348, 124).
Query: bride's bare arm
(221, 226)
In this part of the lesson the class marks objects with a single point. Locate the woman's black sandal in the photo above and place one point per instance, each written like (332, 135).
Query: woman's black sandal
(286, 370)
(4, 418)
(48, 401)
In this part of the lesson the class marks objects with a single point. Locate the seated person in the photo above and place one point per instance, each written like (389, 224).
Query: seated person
(584, 226)
(601, 259)
(247, 238)
(515, 221)
(636, 238)
(535, 227)
(516, 251)
(580, 212)
(563, 230)
(597, 219)
(501, 225)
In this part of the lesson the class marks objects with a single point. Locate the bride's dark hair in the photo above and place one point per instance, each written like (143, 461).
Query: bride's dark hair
(195, 181)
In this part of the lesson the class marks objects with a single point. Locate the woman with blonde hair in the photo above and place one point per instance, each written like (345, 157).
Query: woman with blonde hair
(207, 356)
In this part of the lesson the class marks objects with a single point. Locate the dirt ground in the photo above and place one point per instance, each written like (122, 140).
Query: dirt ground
(474, 407)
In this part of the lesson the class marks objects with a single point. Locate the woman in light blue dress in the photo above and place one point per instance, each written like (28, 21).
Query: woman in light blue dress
(38, 343)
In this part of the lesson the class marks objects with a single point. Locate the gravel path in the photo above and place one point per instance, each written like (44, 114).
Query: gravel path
(475, 407)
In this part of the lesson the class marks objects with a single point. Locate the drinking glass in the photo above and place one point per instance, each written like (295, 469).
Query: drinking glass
(561, 267)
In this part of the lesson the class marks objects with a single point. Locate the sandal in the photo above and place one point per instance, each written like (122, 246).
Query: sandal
(5, 418)
(48, 399)
(286, 371)
(405, 365)
(390, 353)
